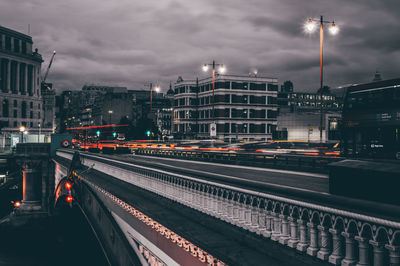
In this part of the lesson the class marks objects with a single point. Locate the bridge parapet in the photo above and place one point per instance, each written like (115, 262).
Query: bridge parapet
(321, 230)
(35, 161)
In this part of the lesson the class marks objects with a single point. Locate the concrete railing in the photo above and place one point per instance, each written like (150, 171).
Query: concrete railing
(330, 234)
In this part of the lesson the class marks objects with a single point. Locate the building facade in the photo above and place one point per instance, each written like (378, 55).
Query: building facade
(240, 108)
(20, 94)
(299, 116)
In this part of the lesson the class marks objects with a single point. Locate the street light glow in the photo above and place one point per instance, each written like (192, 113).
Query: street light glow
(205, 67)
(333, 29)
(222, 69)
(21, 129)
(157, 88)
(310, 25)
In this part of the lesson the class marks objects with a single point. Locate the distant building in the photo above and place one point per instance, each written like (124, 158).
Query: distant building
(244, 109)
(371, 120)
(20, 94)
(49, 102)
(299, 116)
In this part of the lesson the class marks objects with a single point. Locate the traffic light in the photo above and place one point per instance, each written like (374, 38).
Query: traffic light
(114, 134)
(148, 132)
(98, 133)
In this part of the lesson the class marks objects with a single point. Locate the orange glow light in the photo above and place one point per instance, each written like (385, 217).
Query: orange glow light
(68, 185)
(69, 199)
(17, 204)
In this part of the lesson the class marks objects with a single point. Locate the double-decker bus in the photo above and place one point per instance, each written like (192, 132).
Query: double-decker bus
(371, 120)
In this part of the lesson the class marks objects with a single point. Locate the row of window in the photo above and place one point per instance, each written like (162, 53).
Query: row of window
(15, 124)
(227, 113)
(18, 47)
(226, 128)
(227, 85)
(6, 108)
(312, 96)
(227, 98)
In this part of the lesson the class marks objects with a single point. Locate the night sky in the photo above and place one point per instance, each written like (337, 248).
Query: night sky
(130, 42)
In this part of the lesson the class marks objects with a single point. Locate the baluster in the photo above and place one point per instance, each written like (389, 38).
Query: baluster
(235, 210)
(313, 248)
(394, 255)
(350, 257)
(294, 233)
(337, 247)
(276, 233)
(254, 219)
(230, 206)
(379, 252)
(325, 250)
(268, 224)
(363, 251)
(261, 221)
(284, 238)
(215, 202)
(224, 208)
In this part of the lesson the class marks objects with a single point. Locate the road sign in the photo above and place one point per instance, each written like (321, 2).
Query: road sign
(65, 143)
(213, 130)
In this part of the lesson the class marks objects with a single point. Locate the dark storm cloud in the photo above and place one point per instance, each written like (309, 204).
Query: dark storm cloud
(129, 42)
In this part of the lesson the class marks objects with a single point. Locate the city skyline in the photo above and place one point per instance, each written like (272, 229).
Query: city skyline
(132, 43)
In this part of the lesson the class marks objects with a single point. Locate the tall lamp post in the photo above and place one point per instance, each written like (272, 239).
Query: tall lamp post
(310, 27)
(157, 89)
(109, 117)
(220, 70)
(22, 130)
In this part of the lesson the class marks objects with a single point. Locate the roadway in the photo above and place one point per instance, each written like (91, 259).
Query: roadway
(283, 178)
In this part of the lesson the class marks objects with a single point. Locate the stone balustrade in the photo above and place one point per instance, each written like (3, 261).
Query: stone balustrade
(337, 236)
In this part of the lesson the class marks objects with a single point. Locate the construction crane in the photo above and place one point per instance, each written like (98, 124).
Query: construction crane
(48, 68)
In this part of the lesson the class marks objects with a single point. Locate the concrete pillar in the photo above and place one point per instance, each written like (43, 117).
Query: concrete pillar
(32, 184)
(394, 255)
(350, 255)
(294, 233)
(313, 248)
(379, 252)
(17, 78)
(26, 80)
(363, 251)
(8, 75)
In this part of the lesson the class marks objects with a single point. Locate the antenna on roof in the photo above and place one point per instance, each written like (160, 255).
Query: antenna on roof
(29, 29)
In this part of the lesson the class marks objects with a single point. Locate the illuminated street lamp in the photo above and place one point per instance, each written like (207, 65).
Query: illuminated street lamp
(22, 130)
(310, 27)
(221, 70)
(110, 113)
(157, 90)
